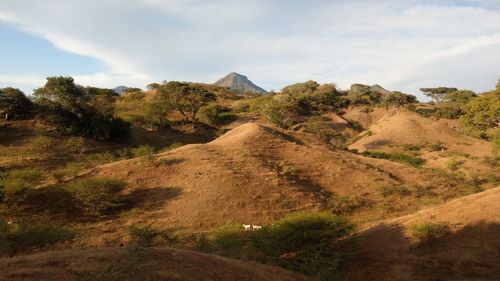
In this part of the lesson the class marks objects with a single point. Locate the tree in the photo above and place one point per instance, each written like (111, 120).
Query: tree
(363, 94)
(13, 103)
(459, 97)
(398, 99)
(438, 95)
(481, 114)
(76, 110)
(185, 97)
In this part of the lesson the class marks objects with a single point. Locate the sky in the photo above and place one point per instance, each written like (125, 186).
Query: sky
(400, 44)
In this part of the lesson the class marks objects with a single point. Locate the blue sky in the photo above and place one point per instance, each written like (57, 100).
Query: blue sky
(401, 45)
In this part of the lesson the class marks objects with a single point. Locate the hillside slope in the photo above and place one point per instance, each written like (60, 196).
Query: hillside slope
(149, 264)
(471, 251)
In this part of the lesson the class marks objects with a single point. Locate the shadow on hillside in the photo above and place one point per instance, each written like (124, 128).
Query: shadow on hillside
(151, 198)
(168, 136)
(470, 253)
(10, 135)
(377, 144)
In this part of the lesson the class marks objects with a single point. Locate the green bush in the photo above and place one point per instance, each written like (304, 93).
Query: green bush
(142, 151)
(454, 164)
(41, 144)
(228, 237)
(14, 184)
(100, 158)
(76, 145)
(437, 146)
(397, 157)
(426, 232)
(300, 231)
(215, 114)
(97, 196)
(27, 234)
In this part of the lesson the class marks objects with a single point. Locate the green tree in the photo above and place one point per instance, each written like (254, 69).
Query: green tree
(13, 103)
(398, 99)
(363, 94)
(185, 97)
(439, 94)
(481, 114)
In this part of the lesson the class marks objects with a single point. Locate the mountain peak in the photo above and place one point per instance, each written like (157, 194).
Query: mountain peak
(239, 82)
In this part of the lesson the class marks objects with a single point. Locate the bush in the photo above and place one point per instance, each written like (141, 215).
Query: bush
(481, 114)
(97, 196)
(228, 237)
(14, 184)
(142, 151)
(305, 242)
(70, 170)
(397, 157)
(41, 144)
(76, 145)
(437, 146)
(301, 231)
(144, 235)
(26, 234)
(426, 232)
(215, 114)
(100, 158)
(454, 164)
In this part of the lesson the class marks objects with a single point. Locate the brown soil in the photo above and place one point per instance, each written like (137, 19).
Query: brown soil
(128, 265)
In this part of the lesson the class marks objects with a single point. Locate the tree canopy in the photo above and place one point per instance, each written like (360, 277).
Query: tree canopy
(13, 103)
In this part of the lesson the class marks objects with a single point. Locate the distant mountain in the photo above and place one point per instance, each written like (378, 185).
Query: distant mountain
(120, 89)
(240, 83)
(380, 89)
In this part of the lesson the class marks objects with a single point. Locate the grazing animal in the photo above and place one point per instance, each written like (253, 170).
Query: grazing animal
(256, 227)
(247, 226)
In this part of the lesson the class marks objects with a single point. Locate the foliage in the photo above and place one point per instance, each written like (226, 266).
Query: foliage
(215, 114)
(389, 190)
(437, 146)
(454, 164)
(481, 114)
(363, 94)
(14, 183)
(26, 234)
(142, 150)
(76, 145)
(227, 237)
(185, 97)
(397, 157)
(74, 109)
(155, 113)
(97, 196)
(439, 94)
(398, 99)
(13, 103)
(426, 232)
(144, 235)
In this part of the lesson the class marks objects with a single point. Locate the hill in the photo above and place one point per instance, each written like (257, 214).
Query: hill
(240, 83)
(469, 251)
(149, 264)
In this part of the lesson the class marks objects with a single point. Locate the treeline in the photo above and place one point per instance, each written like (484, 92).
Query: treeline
(104, 115)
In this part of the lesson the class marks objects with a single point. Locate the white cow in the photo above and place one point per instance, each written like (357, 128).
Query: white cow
(247, 226)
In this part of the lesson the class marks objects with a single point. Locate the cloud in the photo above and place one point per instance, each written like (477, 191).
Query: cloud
(403, 44)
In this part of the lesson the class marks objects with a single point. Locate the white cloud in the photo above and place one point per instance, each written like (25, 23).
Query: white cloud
(403, 44)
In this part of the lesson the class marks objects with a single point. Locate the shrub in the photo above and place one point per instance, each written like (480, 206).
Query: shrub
(41, 144)
(142, 151)
(301, 231)
(70, 170)
(426, 232)
(437, 146)
(305, 242)
(76, 145)
(481, 114)
(144, 235)
(227, 237)
(341, 205)
(97, 196)
(397, 157)
(26, 234)
(100, 158)
(454, 164)
(15, 182)
(215, 114)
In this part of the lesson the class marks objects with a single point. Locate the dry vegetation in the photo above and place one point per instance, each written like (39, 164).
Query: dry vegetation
(350, 185)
